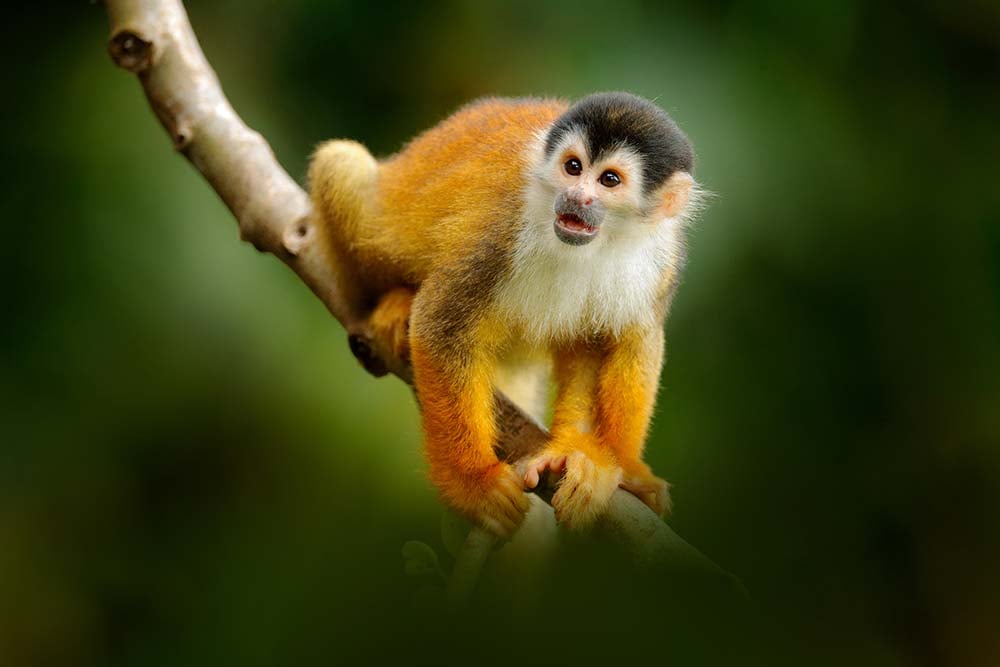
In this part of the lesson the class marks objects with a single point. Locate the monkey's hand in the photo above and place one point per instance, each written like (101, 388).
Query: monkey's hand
(493, 498)
(640, 481)
(590, 476)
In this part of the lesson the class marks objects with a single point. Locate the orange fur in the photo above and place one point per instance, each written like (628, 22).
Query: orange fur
(451, 189)
(390, 322)
(576, 373)
(592, 472)
(456, 403)
(626, 395)
(603, 407)
(448, 188)
(627, 391)
(428, 234)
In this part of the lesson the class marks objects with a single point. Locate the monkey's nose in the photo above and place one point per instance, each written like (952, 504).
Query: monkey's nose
(588, 202)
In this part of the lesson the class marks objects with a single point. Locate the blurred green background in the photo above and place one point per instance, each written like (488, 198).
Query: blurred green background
(194, 470)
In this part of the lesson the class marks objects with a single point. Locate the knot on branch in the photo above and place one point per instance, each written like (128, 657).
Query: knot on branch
(131, 51)
(182, 135)
(297, 235)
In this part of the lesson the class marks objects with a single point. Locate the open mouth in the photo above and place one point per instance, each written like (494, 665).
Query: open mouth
(572, 229)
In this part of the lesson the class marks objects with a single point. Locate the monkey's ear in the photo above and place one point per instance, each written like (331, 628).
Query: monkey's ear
(673, 196)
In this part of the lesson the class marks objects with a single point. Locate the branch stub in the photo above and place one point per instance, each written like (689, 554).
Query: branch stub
(131, 51)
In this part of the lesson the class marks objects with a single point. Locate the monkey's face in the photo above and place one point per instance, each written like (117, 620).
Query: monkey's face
(613, 166)
(589, 193)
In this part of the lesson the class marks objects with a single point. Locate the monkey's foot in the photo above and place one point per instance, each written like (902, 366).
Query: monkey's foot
(640, 481)
(497, 502)
(390, 323)
(589, 478)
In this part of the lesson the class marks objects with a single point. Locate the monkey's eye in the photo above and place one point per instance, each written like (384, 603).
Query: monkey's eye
(610, 179)
(573, 167)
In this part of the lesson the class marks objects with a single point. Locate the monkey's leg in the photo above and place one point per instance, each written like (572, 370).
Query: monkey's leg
(452, 367)
(626, 395)
(590, 471)
(343, 185)
(385, 343)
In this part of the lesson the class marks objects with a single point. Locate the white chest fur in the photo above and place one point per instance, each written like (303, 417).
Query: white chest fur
(558, 291)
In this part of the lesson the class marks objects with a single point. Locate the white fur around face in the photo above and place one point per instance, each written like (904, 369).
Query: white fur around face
(557, 291)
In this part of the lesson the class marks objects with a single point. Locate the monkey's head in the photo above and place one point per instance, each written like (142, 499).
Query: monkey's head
(612, 160)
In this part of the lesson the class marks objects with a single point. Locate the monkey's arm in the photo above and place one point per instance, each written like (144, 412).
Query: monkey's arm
(576, 369)
(453, 364)
(626, 393)
(591, 471)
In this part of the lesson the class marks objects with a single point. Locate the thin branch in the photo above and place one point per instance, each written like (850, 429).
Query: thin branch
(154, 39)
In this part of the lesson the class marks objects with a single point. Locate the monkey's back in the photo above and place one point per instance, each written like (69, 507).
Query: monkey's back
(454, 185)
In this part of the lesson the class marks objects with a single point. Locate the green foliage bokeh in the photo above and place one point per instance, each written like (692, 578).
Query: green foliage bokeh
(194, 470)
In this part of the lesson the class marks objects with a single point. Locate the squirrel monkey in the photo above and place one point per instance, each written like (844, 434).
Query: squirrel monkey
(520, 236)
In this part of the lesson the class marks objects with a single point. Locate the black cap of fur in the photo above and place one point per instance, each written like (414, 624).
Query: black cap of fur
(611, 120)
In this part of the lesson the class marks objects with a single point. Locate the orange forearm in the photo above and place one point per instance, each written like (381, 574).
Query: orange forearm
(576, 370)
(456, 405)
(573, 422)
(453, 368)
(626, 393)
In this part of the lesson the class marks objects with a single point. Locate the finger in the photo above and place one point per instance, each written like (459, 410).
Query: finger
(655, 494)
(531, 478)
(510, 483)
(511, 522)
(561, 498)
(523, 503)
(582, 497)
(504, 502)
(495, 527)
(649, 500)
(657, 502)
(513, 518)
(515, 499)
(637, 487)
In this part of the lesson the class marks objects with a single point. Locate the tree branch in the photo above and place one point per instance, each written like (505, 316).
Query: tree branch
(154, 39)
